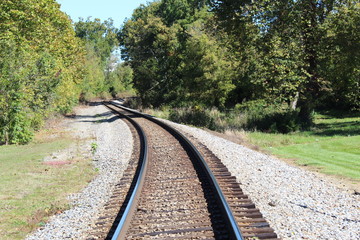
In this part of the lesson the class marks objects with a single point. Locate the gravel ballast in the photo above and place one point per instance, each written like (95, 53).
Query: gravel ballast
(113, 144)
(298, 204)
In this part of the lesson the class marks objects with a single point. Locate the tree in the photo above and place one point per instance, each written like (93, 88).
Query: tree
(176, 60)
(151, 48)
(120, 79)
(100, 39)
(224, 52)
(206, 71)
(40, 66)
(340, 55)
(282, 46)
(100, 35)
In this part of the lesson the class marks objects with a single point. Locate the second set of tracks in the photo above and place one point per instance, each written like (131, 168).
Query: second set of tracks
(172, 191)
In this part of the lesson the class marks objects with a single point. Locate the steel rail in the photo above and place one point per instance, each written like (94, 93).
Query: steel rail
(124, 223)
(230, 219)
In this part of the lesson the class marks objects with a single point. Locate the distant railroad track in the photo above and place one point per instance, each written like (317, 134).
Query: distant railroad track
(170, 191)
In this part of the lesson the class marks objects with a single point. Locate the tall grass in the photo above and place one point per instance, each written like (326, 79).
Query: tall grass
(266, 118)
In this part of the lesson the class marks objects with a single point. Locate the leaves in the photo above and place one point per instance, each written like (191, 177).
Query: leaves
(39, 65)
(175, 57)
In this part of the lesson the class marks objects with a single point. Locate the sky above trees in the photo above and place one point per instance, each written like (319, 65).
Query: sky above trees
(115, 9)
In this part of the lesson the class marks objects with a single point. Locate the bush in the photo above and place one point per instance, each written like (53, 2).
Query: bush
(269, 118)
(15, 126)
(196, 116)
(134, 103)
(274, 122)
(254, 115)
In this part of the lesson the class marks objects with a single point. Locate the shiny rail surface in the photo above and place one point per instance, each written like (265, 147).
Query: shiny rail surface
(232, 225)
(141, 171)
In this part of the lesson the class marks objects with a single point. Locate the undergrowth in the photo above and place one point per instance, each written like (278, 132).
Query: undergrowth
(253, 116)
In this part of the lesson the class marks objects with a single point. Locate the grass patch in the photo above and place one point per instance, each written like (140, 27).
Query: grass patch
(31, 191)
(332, 145)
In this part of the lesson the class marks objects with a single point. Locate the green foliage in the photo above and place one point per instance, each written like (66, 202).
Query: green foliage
(40, 66)
(173, 10)
(133, 102)
(261, 116)
(176, 59)
(207, 74)
(120, 80)
(341, 56)
(104, 76)
(100, 35)
(293, 51)
(44, 67)
(94, 76)
(272, 63)
(253, 115)
(196, 116)
(275, 122)
(151, 46)
(94, 147)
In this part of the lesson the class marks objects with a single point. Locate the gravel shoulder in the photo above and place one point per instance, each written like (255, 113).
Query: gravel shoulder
(297, 203)
(112, 145)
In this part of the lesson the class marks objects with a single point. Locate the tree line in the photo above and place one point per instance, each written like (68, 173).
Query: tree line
(48, 64)
(228, 54)
(300, 55)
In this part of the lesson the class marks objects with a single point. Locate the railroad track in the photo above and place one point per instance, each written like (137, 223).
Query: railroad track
(170, 191)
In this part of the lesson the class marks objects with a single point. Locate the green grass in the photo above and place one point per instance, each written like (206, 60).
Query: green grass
(31, 191)
(332, 146)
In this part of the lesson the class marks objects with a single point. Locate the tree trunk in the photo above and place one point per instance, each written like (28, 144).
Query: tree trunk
(311, 87)
(294, 102)
(305, 114)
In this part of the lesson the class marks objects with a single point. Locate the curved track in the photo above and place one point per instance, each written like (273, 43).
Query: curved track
(175, 194)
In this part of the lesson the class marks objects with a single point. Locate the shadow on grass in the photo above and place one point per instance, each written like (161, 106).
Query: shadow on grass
(339, 114)
(341, 129)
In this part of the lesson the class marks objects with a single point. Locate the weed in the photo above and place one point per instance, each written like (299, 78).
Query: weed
(94, 147)
(41, 224)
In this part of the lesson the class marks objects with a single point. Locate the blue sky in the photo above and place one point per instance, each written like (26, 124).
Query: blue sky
(118, 10)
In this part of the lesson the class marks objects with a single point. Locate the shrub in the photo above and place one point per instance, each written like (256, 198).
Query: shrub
(196, 116)
(269, 118)
(16, 126)
(274, 122)
(254, 115)
(134, 103)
